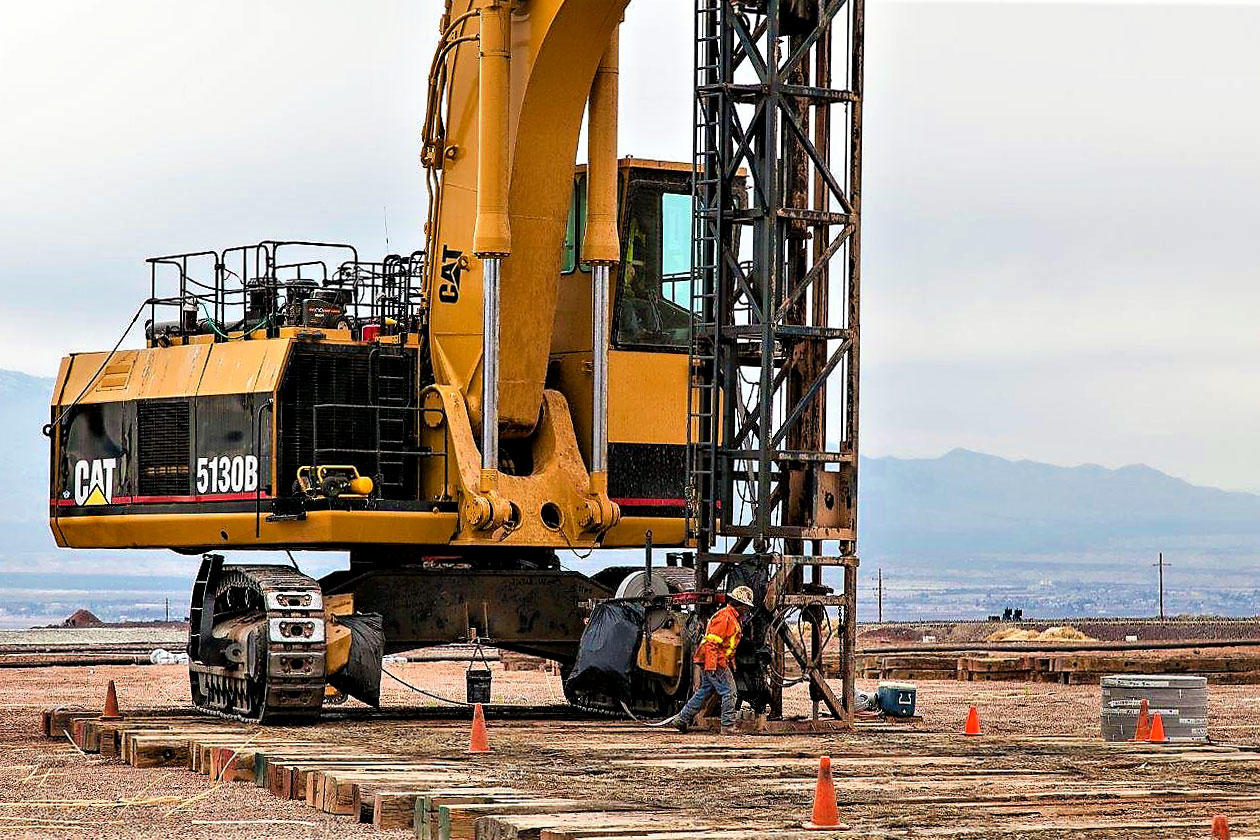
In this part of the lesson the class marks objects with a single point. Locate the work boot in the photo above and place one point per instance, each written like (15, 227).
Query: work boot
(729, 730)
(680, 725)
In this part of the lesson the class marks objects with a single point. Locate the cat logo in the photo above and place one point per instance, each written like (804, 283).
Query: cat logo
(452, 265)
(94, 481)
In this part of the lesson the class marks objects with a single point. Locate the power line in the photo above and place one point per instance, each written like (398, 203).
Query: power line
(879, 594)
(1161, 564)
(880, 598)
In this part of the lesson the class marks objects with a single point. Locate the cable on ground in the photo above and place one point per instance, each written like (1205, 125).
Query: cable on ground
(642, 722)
(419, 690)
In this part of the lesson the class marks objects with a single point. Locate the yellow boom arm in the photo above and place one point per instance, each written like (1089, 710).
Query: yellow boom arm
(513, 87)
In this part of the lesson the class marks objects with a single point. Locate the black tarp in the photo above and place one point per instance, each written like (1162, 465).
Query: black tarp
(607, 650)
(361, 678)
(798, 17)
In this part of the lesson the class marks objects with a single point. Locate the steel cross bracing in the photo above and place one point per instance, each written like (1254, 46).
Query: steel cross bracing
(773, 404)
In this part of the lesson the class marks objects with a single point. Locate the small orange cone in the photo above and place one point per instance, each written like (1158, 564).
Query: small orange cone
(1143, 731)
(479, 742)
(826, 813)
(973, 722)
(1220, 827)
(111, 704)
(1157, 730)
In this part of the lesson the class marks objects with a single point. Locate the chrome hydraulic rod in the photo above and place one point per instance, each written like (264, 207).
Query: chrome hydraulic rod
(490, 363)
(599, 319)
(600, 246)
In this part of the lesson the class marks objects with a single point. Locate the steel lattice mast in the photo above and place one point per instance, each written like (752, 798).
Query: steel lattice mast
(773, 431)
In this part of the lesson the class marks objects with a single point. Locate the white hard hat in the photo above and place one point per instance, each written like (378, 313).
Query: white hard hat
(741, 595)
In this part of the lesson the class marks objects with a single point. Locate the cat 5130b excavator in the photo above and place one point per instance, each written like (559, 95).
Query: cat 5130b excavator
(621, 354)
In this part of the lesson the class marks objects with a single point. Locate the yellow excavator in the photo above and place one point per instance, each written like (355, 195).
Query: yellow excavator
(562, 368)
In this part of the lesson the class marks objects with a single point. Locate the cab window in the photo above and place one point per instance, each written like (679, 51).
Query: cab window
(654, 295)
(577, 208)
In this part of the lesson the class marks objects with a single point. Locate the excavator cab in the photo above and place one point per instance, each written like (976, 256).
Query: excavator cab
(652, 284)
(652, 301)
(652, 307)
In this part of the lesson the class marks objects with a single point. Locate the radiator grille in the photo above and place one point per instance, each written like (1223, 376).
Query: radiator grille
(365, 415)
(163, 432)
(647, 470)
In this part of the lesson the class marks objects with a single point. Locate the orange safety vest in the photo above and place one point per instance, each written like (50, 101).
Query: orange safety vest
(721, 637)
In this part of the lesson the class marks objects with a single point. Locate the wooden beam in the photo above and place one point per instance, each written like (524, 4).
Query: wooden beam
(425, 819)
(530, 825)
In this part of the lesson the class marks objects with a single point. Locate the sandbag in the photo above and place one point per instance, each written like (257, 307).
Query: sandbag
(606, 652)
(361, 678)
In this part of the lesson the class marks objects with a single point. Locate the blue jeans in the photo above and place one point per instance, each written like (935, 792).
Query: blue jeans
(723, 682)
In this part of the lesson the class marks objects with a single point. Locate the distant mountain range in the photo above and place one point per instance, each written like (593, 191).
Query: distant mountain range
(966, 503)
(963, 520)
(24, 454)
(966, 534)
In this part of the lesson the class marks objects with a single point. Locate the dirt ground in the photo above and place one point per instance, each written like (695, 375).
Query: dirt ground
(920, 781)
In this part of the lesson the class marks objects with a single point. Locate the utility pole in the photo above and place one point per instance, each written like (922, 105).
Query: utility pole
(880, 597)
(1161, 564)
(168, 610)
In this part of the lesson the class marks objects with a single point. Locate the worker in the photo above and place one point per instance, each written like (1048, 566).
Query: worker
(716, 656)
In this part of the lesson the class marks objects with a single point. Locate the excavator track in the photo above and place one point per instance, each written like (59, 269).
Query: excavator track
(256, 644)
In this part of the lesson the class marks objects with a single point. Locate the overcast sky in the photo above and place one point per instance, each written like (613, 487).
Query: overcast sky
(1061, 200)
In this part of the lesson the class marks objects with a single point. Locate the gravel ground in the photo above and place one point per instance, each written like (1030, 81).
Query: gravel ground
(169, 637)
(48, 790)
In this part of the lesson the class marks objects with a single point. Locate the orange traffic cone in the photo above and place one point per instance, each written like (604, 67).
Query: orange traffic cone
(1220, 827)
(1143, 731)
(826, 814)
(479, 742)
(973, 722)
(1157, 730)
(111, 704)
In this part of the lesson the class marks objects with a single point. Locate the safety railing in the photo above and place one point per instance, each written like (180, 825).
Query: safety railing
(255, 290)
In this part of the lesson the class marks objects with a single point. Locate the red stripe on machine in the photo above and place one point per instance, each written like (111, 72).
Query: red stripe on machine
(165, 500)
(651, 502)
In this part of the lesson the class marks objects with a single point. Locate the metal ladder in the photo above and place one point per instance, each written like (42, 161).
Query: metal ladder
(706, 272)
(392, 400)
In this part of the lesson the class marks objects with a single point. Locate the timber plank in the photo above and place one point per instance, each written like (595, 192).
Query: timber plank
(85, 733)
(397, 806)
(232, 764)
(460, 822)
(204, 749)
(303, 756)
(289, 778)
(130, 739)
(530, 825)
(426, 815)
(313, 778)
(410, 794)
(239, 753)
(157, 751)
(125, 731)
(61, 721)
(339, 791)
